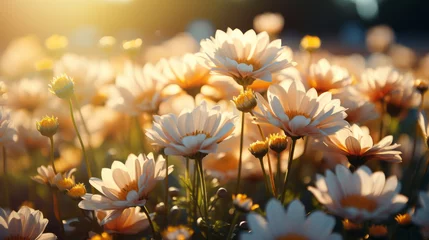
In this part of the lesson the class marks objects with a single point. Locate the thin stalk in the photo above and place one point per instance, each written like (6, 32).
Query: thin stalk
(141, 136)
(6, 177)
(166, 189)
(240, 160)
(88, 165)
(310, 59)
(267, 186)
(85, 128)
(204, 194)
(289, 165)
(270, 170)
(188, 179)
(233, 223)
(195, 194)
(51, 139)
(383, 110)
(152, 226)
(414, 149)
(57, 210)
(279, 171)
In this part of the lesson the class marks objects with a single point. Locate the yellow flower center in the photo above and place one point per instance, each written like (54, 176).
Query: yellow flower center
(56, 42)
(77, 191)
(17, 238)
(65, 183)
(246, 101)
(291, 236)
(62, 86)
(99, 99)
(378, 231)
(359, 202)
(125, 190)
(196, 132)
(403, 219)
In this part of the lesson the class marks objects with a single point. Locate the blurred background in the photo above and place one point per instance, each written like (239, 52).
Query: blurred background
(341, 22)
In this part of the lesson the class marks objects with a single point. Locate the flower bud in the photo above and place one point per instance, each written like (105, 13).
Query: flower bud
(403, 219)
(62, 86)
(245, 101)
(132, 47)
(222, 193)
(102, 236)
(160, 208)
(173, 192)
(47, 126)
(310, 43)
(277, 142)
(106, 43)
(421, 85)
(378, 231)
(259, 148)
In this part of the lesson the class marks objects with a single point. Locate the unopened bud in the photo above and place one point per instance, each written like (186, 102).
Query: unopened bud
(259, 148)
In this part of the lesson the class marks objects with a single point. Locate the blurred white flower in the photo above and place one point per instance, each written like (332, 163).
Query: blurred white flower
(326, 77)
(27, 223)
(272, 23)
(379, 38)
(131, 221)
(359, 196)
(292, 223)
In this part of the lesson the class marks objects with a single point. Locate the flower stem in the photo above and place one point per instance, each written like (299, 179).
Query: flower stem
(240, 160)
(279, 170)
(289, 165)
(57, 209)
(267, 186)
(88, 166)
(383, 110)
(233, 223)
(51, 139)
(6, 178)
(166, 189)
(204, 194)
(85, 128)
(273, 185)
(152, 226)
(195, 194)
(141, 136)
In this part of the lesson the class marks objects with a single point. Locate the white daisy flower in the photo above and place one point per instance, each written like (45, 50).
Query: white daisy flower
(290, 224)
(359, 196)
(125, 185)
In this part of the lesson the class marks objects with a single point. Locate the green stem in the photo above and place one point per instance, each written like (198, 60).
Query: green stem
(51, 139)
(233, 223)
(85, 128)
(383, 110)
(289, 166)
(204, 194)
(267, 186)
(57, 210)
(140, 134)
(195, 194)
(88, 165)
(279, 170)
(166, 190)
(6, 177)
(240, 160)
(152, 226)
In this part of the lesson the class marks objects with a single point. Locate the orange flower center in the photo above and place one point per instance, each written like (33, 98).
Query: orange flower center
(253, 62)
(196, 132)
(293, 113)
(291, 237)
(359, 202)
(125, 190)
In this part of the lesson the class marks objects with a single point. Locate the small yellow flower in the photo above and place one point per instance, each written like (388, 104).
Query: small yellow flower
(243, 203)
(403, 219)
(421, 85)
(27, 204)
(310, 43)
(107, 42)
(45, 64)
(62, 86)
(77, 191)
(132, 46)
(277, 142)
(350, 226)
(48, 126)
(259, 148)
(246, 101)
(378, 231)
(103, 236)
(180, 232)
(56, 42)
(65, 183)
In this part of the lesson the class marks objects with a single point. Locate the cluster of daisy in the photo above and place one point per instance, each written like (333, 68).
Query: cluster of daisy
(251, 128)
